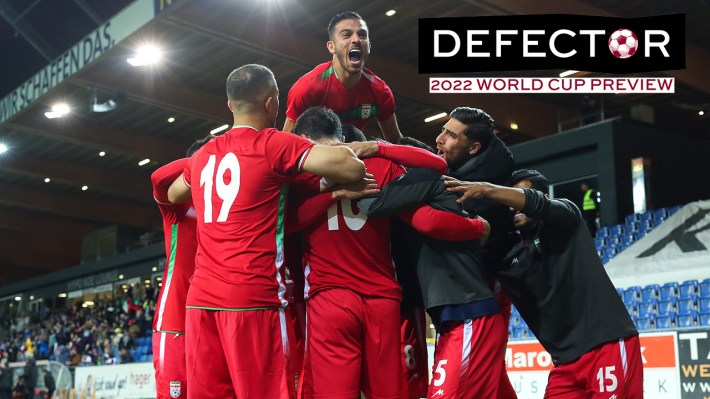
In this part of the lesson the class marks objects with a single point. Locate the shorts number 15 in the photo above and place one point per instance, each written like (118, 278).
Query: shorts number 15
(227, 192)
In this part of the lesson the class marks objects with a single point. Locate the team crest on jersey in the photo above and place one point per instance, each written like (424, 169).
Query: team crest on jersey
(175, 389)
(365, 111)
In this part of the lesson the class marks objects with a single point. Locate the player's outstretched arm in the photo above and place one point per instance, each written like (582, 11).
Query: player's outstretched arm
(164, 176)
(512, 197)
(335, 163)
(390, 129)
(179, 191)
(289, 125)
(446, 226)
(407, 156)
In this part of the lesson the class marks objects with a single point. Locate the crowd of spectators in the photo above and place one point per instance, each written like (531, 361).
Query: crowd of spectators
(81, 334)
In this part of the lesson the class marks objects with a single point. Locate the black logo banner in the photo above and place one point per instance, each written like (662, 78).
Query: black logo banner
(552, 41)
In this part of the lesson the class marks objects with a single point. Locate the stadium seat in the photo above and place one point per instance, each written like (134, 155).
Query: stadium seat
(632, 294)
(665, 308)
(603, 231)
(633, 309)
(646, 226)
(704, 320)
(674, 209)
(520, 333)
(686, 306)
(669, 290)
(689, 289)
(665, 322)
(601, 241)
(634, 217)
(620, 291)
(650, 292)
(690, 320)
(647, 309)
(648, 215)
(617, 230)
(632, 227)
(601, 253)
(660, 215)
(705, 288)
(644, 323)
(514, 322)
(704, 305)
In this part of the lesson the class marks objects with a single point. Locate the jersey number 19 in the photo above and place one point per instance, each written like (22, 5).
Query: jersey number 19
(227, 192)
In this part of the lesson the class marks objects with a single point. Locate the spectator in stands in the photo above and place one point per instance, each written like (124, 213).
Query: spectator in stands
(19, 391)
(49, 383)
(590, 210)
(126, 356)
(31, 375)
(5, 380)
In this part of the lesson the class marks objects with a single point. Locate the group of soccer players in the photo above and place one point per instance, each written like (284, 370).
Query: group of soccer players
(297, 269)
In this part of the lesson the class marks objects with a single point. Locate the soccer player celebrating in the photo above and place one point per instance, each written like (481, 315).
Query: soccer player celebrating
(236, 341)
(557, 282)
(353, 312)
(179, 227)
(344, 84)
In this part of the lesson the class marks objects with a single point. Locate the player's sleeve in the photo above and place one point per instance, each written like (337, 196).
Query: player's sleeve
(298, 100)
(443, 225)
(555, 212)
(164, 177)
(411, 157)
(186, 173)
(286, 152)
(386, 103)
(408, 191)
(305, 212)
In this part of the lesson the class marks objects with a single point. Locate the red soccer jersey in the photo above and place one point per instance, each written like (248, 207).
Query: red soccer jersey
(370, 98)
(179, 226)
(240, 217)
(348, 250)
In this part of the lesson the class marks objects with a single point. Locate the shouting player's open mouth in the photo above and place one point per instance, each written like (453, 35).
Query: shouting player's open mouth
(355, 57)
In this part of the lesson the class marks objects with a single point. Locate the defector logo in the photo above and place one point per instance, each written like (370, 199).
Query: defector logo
(552, 41)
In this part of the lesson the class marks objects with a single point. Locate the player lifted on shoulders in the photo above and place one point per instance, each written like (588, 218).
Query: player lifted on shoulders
(344, 84)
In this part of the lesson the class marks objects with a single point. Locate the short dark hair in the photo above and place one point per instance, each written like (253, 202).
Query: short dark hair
(412, 142)
(339, 17)
(199, 143)
(536, 179)
(352, 134)
(479, 125)
(248, 83)
(319, 123)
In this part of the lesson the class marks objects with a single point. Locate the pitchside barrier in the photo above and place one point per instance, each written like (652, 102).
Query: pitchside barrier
(676, 365)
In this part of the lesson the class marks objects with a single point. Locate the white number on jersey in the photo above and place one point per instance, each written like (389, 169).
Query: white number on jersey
(354, 222)
(439, 381)
(227, 192)
(409, 359)
(607, 374)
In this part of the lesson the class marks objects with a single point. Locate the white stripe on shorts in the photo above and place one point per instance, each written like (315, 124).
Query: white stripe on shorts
(284, 335)
(162, 350)
(622, 349)
(466, 347)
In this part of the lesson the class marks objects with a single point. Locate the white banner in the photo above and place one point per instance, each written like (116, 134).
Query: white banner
(529, 365)
(677, 250)
(123, 381)
(552, 85)
(113, 31)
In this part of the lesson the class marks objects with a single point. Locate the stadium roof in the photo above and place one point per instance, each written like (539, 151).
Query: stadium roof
(82, 47)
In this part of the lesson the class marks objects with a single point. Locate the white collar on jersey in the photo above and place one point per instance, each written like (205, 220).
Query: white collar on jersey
(250, 127)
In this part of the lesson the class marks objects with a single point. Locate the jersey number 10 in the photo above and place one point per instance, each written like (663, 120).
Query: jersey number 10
(227, 192)
(352, 221)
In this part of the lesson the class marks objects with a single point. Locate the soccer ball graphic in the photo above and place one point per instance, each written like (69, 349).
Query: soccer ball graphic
(623, 43)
